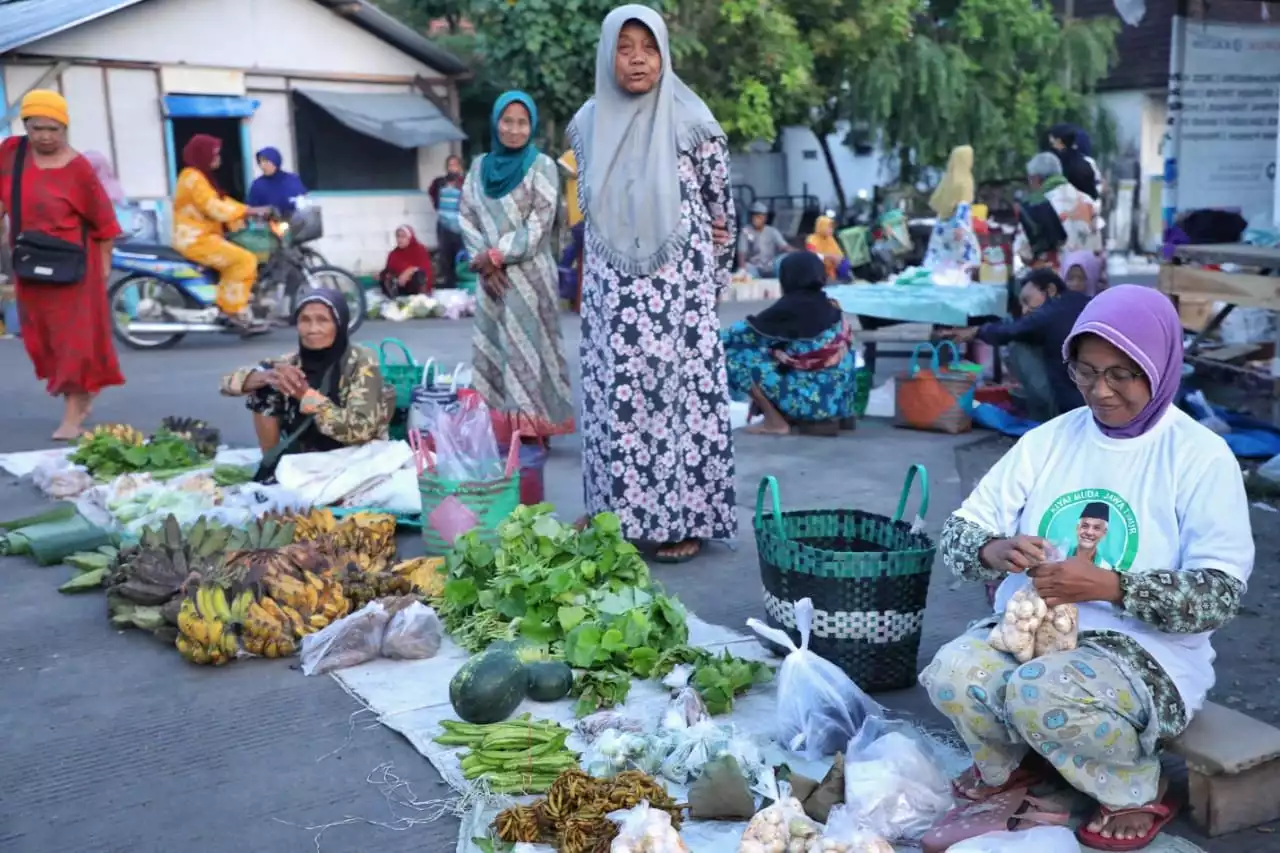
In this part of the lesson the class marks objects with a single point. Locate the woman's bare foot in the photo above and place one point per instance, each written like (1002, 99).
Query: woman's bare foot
(1126, 825)
(679, 552)
(767, 428)
(67, 432)
(75, 409)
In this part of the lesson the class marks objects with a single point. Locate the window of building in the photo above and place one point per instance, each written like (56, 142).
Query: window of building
(332, 156)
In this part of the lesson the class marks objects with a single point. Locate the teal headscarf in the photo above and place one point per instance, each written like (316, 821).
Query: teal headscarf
(503, 168)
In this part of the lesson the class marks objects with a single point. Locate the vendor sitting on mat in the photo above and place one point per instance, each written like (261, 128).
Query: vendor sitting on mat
(328, 394)
(1049, 310)
(1182, 550)
(795, 359)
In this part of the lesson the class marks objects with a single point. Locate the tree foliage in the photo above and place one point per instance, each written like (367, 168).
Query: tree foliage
(988, 73)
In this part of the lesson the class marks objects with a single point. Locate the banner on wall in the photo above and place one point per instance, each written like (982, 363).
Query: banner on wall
(1224, 108)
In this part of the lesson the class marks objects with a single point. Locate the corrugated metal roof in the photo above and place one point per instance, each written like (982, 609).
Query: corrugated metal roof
(25, 21)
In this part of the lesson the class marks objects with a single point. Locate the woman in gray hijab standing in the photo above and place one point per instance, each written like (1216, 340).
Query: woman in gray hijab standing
(653, 167)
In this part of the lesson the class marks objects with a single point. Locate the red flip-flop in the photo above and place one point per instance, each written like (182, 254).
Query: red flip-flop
(1021, 777)
(1163, 812)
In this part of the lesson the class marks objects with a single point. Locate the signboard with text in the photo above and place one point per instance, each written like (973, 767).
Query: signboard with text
(1224, 107)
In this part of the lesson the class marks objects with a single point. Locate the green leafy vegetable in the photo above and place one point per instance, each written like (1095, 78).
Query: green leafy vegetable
(718, 679)
(232, 475)
(107, 456)
(599, 689)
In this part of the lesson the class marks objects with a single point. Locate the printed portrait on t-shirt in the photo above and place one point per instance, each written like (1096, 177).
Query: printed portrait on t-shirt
(1096, 524)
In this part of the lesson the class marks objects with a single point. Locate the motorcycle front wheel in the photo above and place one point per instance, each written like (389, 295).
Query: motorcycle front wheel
(129, 294)
(334, 278)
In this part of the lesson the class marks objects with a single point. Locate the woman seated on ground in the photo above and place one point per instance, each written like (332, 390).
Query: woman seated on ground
(823, 243)
(408, 268)
(328, 394)
(795, 359)
(1034, 341)
(1084, 272)
(1129, 481)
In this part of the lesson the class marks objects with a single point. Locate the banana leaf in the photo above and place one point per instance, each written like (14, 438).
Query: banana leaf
(53, 541)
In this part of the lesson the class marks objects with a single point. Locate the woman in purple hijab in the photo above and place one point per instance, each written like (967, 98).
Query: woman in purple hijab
(1130, 516)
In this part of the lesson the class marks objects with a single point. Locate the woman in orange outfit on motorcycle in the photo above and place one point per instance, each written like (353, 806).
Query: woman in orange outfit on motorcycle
(201, 214)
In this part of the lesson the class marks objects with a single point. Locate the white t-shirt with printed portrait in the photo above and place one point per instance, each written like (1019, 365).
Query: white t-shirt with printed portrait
(1171, 499)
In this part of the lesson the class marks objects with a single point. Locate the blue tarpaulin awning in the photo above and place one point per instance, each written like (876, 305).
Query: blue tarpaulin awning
(209, 106)
(403, 119)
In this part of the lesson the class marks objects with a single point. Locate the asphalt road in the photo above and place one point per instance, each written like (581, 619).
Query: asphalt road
(112, 743)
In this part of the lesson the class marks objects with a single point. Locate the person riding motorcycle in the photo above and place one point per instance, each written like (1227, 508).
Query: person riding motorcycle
(201, 214)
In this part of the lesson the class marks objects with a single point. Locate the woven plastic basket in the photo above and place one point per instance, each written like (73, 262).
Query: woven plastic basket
(451, 508)
(867, 575)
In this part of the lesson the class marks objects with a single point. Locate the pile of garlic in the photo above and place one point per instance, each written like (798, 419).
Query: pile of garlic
(781, 828)
(647, 830)
(869, 844)
(1030, 628)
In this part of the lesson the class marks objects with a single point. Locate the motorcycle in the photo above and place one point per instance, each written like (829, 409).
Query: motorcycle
(163, 297)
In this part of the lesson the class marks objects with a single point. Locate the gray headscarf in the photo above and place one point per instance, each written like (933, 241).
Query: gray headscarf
(628, 149)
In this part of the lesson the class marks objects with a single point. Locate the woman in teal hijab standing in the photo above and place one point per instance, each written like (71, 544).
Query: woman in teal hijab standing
(508, 215)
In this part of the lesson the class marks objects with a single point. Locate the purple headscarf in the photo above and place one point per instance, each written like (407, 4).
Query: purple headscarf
(1143, 324)
(1092, 266)
(106, 175)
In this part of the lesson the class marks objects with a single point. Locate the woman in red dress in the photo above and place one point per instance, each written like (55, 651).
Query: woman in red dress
(66, 327)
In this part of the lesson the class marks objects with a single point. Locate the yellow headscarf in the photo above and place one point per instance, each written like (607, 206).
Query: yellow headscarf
(956, 186)
(43, 103)
(823, 239)
(569, 163)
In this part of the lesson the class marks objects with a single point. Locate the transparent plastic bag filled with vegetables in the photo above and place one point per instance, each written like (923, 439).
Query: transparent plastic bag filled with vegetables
(645, 830)
(414, 633)
(820, 709)
(893, 787)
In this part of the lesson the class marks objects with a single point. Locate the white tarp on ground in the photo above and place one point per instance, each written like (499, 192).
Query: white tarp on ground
(412, 698)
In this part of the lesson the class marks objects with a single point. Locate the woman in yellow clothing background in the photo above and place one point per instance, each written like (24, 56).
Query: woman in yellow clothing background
(201, 214)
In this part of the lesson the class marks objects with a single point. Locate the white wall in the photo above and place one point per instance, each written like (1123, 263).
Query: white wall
(359, 229)
(17, 80)
(284, 35)
(811, 173)
(141, 159)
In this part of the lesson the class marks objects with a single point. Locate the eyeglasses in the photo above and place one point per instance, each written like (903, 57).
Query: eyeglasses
(1117, 378)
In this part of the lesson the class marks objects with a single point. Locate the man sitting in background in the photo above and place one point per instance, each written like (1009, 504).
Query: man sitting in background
(761, 245)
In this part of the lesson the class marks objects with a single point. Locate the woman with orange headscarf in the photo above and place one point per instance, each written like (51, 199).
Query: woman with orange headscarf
(823, 243)
(201, 214)
(60, 205)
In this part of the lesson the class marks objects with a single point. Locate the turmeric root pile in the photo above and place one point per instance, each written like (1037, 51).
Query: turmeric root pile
(1030, 628)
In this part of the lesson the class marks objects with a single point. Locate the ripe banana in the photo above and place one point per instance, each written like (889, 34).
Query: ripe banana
(240, 607)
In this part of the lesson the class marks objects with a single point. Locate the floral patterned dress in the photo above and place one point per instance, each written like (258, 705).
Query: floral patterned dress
(657, 445)
(954, 243)
(802, 396)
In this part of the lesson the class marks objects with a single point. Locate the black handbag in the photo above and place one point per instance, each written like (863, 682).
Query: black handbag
(40, 258)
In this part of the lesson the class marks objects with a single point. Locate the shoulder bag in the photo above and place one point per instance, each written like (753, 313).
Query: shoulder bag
(40, 258)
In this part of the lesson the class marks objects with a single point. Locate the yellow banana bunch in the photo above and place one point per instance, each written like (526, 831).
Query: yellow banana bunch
(240, 607)
(123, 433)
(313, 525)
(427, 574)
(268, 630)
(204, 635)
(292, 592)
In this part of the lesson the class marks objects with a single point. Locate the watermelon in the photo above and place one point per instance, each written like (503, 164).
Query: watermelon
(489, 687)
(548, 680)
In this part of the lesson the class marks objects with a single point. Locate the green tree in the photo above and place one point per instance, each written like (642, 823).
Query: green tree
(841, 35)
(745, 58)
(988, 73)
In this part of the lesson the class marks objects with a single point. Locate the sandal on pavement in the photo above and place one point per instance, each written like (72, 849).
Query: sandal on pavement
(1023, 776)
(673, 558)
(1007, 812)
(1162, 812)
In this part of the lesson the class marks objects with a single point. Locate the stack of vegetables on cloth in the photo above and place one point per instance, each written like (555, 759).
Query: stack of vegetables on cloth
(1154, 505)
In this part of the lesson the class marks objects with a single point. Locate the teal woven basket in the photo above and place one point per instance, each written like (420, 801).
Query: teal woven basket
(861, 391)
(451, 508)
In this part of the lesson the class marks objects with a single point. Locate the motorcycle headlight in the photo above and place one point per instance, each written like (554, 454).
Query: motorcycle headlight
(279, 228)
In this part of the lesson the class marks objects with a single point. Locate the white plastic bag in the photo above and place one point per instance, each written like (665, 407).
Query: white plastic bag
(892, 788)
(1204, 413)
(820, 709)
(645, 830)
(1041, 839)
(781, 826)
(354, 639)
(843, 834)
(1269, 472)
(414, 633)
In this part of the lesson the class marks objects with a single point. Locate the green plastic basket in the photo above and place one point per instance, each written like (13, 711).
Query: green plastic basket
(256, 239)
(866, 574)
(854, 242)
(483, 504)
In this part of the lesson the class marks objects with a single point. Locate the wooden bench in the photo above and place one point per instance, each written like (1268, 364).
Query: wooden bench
(1233, 770)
